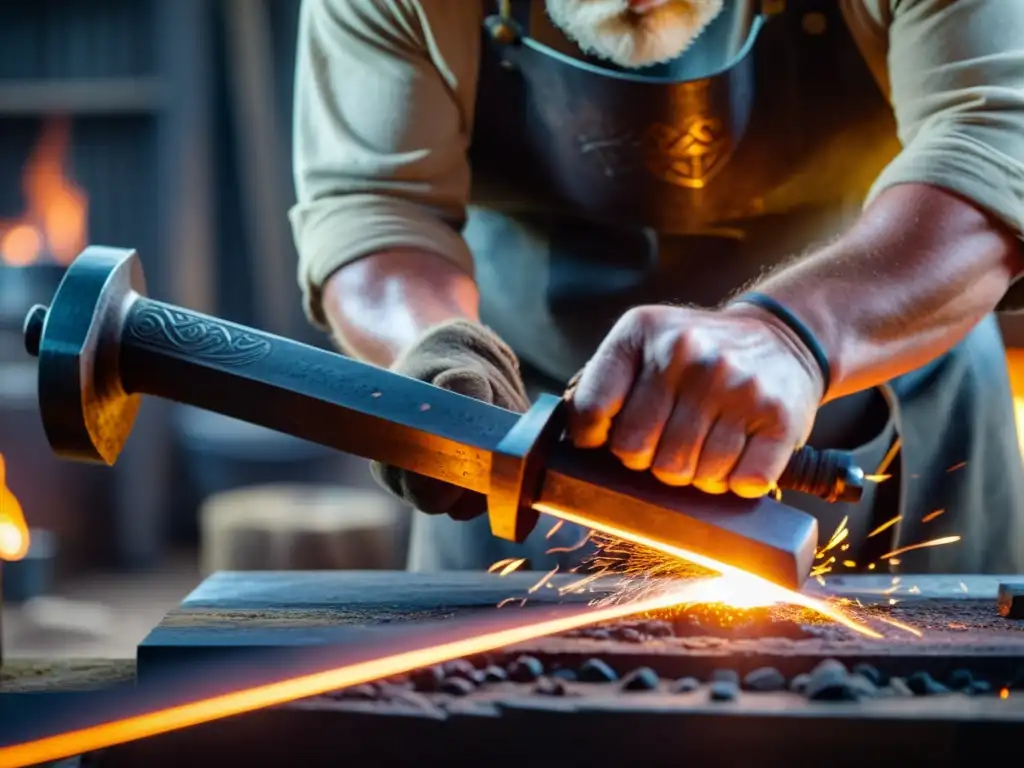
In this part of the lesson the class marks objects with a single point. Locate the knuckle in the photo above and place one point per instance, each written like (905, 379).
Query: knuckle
(772, 408)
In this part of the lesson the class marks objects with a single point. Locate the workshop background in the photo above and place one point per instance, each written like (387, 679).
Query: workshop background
(163, 126)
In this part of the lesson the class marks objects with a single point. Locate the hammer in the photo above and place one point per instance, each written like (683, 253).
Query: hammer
(102, 344)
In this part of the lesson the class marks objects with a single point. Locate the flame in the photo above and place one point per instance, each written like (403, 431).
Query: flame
(152, 723)
(54, 223)
(14, 537)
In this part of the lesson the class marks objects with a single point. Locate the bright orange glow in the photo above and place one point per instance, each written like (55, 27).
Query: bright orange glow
(1004, 693)
(152, 723)
(21, 245)
(56, 210)
(739, 585)
(14, 537)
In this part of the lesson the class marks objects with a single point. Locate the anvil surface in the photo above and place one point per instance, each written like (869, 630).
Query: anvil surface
(232, 612)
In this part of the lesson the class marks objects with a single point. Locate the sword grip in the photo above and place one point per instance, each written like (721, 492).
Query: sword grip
(828, 474)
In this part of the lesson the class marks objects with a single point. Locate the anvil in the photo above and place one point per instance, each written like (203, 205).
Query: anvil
(102, 344)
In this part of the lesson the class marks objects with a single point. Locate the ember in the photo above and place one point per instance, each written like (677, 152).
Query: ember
(14, 536)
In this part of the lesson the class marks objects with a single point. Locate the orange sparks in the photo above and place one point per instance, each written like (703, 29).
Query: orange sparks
(922, 545)
(889, 457)
(520, 601)
(900, 625)
(877, 478)
(543, 580)
(578, 545)
(956, 467)
(577, 586)
(554, 529)
(840, 534)
(152, 723)
(1004, 693)
(932, 515)
(735, 579)
(507, 566)
(885, 526)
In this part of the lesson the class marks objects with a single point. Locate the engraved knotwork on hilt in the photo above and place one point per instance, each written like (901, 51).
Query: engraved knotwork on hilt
(198, 336)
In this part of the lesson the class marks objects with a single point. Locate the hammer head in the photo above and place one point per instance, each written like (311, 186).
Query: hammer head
(86, 413)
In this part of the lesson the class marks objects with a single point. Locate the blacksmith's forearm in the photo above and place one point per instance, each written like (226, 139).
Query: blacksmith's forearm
(379, 305)
(917, 272)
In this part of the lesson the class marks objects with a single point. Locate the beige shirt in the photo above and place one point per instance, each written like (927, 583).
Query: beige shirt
(386, 90)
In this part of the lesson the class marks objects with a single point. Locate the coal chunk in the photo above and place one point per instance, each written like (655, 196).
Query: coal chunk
(599, 634)
(960, 679)
(923, 684)
(550, 686)
(725, 676)
(724, 690)
(685, 685)
(428, 679)
(525, 669)
(495, 674)
(829, 666)
(765, 679)
(899, 687)
(629, 635)
(830, 683)
(640, 679)
(657, 629)
(459, 668)
(799, 683)
(863, 687)
(568, 675)
(359, 693)
(596, 671)
(457, 686)
(869, 672)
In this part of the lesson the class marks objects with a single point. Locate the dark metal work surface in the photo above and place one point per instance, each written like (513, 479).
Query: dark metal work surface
(763, 729)
(102, 344)
(647, 729)
(233, 612)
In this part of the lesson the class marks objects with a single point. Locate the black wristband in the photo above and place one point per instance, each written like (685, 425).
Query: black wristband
(796, 325)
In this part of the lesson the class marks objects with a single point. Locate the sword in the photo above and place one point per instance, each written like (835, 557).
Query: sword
(102, 344)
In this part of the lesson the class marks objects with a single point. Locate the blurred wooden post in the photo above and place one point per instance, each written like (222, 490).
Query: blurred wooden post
(263, 176)
(296, 527)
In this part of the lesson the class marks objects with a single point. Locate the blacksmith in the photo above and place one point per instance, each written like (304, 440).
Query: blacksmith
(750, 223)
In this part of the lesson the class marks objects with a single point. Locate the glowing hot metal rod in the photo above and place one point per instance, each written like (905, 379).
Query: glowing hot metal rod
(102, 344)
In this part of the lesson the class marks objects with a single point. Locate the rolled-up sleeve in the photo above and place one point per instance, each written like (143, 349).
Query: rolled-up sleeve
(384, 99)
(956, 76)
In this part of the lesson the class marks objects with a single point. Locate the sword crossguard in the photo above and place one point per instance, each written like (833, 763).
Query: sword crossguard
(517, 468)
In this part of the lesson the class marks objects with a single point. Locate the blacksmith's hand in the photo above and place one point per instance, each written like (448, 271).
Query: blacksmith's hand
(718, 399)
(467, 358)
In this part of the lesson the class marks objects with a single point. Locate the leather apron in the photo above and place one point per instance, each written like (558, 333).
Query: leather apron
(598, 189)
